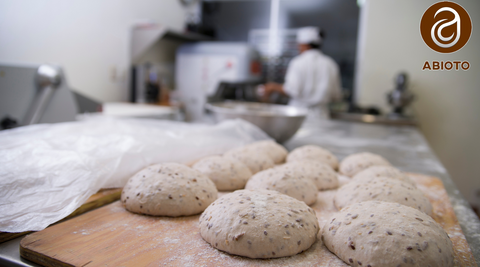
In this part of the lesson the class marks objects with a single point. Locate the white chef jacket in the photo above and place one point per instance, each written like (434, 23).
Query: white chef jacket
(312, 80)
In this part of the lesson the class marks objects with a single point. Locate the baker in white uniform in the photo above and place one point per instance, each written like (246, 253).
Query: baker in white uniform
(313, 78)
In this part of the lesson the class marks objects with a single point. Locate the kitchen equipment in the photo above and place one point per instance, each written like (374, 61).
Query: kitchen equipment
(201, 67)
(276, 48)
(48, 79)
(278, 121)
(149, 81)
(246, 91)
(33, 94)
(112, 236)
(242, 91)
(400, 98)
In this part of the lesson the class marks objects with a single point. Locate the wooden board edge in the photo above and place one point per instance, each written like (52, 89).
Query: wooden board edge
(100, 202)
(41, 259)
(4, 236)
(88, 206)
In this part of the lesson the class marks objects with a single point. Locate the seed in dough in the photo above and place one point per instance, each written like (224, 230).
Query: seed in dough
(384, 171)
(312, 152)
(259, 224)
(355, 163)
(256, 161)
(275, 151)
(285, 181)
(323, 175)
(376, 233)
(168, 189)
(382, 189)
(227, 174)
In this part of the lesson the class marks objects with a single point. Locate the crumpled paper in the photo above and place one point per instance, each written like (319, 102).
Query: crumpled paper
(49, 170)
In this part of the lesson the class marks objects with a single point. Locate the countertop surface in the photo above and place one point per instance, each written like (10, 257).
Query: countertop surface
(404, 146)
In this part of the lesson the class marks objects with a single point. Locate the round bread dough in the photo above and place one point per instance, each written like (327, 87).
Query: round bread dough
(259, 224)
(323, 175)
(384, 171)
(382, 189)
(275, 151)
(227, 174)
(355, 163)
(287, 182)
(256, 161)
(312, 152)
(376, 233)
(168, 189)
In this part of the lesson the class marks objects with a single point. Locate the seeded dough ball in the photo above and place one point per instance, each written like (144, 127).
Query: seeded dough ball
(168, 189)
(312, 152)
(384, 171)
(376, 233)
(259, 224)
(227, 174)
(322, 174)
(355, 163)
(286, 182)
(382, 189)
(254, 160)
(275, 151)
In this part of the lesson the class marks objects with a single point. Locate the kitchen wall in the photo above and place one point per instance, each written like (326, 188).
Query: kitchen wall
(448, 102)
(89, 38)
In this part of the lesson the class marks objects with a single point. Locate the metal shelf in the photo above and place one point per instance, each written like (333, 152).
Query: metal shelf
(144, 36)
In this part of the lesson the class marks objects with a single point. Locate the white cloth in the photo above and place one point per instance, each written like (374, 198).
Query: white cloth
(312, 79)
(308, 35)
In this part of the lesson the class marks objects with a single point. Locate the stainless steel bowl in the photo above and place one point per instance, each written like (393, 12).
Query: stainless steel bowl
(279, 121)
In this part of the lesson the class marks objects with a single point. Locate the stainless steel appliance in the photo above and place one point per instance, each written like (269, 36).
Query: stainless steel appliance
(278, 121)
(32, 94)
(201, 67)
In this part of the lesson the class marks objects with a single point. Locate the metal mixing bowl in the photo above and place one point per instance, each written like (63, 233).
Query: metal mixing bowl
(279, 121)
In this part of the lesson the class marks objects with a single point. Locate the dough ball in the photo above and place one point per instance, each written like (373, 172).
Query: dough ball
(355, 163)
(382, 189)
(275, 151)
(322, 174)
(168, 189)
(259, 224)
(254, 160)
(286, 182)
(227, 174)
(312, 152)
(376, 233)
(384, 171)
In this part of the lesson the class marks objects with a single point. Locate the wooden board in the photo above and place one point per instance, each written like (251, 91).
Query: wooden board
(101, 198)
(111, 236)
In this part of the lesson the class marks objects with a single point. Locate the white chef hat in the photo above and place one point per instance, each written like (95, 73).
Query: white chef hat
(308, 35)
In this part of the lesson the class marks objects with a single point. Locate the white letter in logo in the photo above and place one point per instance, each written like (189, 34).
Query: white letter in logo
(439, 31)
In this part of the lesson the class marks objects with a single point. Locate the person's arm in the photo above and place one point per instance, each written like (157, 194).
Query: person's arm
(273, 87)
(292, 84)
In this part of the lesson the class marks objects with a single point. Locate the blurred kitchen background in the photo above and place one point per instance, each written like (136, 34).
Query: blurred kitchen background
(117, 52)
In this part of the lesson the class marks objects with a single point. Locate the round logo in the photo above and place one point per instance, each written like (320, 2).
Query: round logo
(446, 27)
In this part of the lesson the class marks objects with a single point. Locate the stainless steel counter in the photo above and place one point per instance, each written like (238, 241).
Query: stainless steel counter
(403, 146)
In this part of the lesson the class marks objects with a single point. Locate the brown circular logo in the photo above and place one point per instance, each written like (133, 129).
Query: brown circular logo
(446, 27)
